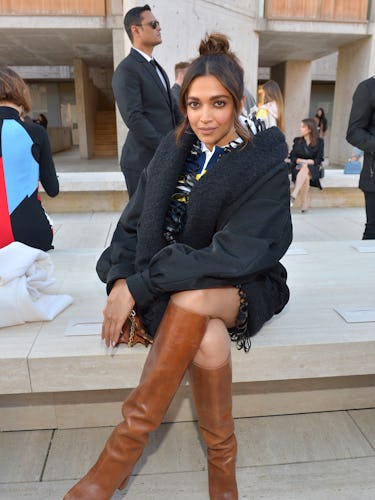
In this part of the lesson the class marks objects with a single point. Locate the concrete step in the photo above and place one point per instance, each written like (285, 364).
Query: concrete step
(305, 359)
(88, 191)
(103, 191)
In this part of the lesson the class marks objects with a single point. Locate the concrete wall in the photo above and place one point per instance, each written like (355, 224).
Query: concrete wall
(236, 18)
(60, 138)
(294, 79)
(185, 22)
(355, 63)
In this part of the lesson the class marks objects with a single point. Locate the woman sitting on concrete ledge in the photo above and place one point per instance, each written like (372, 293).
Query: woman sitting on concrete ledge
(25, 159)
(197, 251)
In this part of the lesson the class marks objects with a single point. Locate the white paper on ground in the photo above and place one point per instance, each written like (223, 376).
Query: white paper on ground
(357, 314)
(296, 251)
(84, 326)
(365, 247)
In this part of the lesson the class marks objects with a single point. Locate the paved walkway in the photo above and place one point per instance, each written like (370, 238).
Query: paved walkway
(325, 456)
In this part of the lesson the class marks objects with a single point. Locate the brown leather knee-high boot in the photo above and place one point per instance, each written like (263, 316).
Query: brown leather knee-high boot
(212, 391)
(177, 340)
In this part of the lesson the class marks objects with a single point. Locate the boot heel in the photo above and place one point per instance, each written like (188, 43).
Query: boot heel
(123, 484)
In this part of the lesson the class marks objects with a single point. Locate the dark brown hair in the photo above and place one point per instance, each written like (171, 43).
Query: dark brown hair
(180, 66)
(216, 59)
(14, 89)
(134, 17)
(314, 133)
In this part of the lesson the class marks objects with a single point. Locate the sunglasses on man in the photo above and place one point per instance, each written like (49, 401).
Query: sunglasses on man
(153, 24)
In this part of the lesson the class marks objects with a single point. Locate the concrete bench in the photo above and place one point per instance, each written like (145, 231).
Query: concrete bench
(305, 359)
(106, 191)
(88, 191)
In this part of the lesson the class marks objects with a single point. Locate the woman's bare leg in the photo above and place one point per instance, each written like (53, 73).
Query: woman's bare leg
(221, 305)
(305, 194)
(301, 178)
(211, 384)
(177, 341)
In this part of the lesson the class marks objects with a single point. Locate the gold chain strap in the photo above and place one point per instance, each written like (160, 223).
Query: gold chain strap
(132, 328)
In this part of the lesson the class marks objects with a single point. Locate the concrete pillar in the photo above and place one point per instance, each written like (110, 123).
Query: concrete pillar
(355, 63)
(119, 52)
(294, 78)
(86, 100)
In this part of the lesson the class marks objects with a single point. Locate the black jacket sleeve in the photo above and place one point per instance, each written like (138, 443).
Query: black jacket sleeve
(41, 151)
(251, 239)
(117, 261)
(359, 133)
(319, 155)
(293, 154)
(48, 177)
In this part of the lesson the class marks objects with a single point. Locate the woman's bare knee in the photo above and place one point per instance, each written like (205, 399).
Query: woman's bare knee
(189, 299)
(215, 346)
(222, 303)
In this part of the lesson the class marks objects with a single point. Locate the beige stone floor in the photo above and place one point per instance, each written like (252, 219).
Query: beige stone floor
(325, 456)
(288, 457)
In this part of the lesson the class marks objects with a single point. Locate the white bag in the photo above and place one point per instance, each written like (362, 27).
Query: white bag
(25, 273)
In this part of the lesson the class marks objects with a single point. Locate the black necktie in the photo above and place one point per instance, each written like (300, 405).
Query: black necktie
(158, 72)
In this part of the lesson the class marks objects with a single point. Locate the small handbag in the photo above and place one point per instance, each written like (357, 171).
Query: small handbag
(134, 332)
(321, 171)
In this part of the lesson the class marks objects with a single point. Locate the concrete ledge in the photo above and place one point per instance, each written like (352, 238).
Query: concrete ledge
(88, 191)
(114, 181)
(308, 350)
(106, 191)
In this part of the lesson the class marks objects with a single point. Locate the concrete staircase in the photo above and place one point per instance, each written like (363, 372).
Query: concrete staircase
(105, 134)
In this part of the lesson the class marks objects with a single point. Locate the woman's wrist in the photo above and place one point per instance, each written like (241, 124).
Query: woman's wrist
(121, 283)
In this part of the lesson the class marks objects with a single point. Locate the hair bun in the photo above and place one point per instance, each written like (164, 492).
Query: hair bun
(215, 43)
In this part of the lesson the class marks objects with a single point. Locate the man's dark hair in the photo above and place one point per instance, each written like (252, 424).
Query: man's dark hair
(180, 66)
(134, 17)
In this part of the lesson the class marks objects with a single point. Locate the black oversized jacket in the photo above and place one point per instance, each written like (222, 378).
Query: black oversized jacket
(237, 229)
(361, 130)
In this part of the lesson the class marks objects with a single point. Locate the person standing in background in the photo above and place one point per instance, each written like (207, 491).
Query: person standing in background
(142, 92)
(321, 122)
(42, 120)
(361, 134)
(25, 159)
(179, 73)
(271, 110)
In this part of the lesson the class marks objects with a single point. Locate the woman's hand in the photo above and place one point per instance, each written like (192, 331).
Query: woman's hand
(307, 161)
(119, 304)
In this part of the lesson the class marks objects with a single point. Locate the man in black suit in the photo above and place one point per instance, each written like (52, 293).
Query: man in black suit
(361, 134)
(142, 92)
